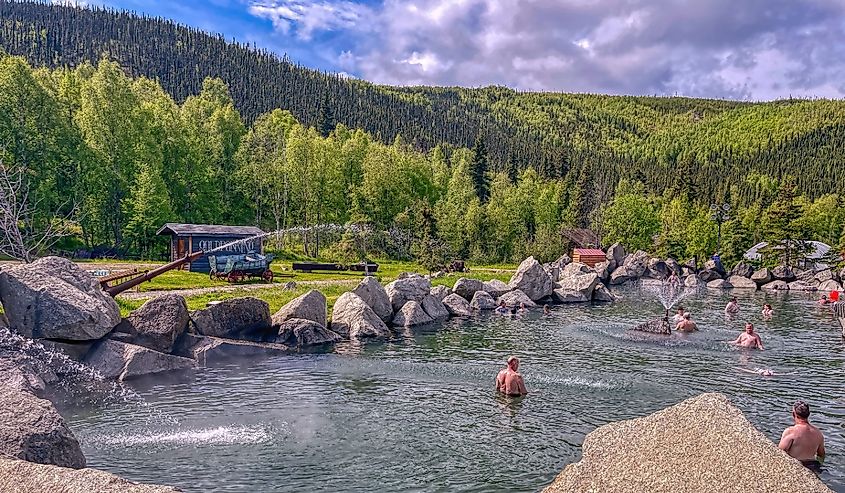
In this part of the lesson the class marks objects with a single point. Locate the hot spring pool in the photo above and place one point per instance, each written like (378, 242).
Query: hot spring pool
(419, 413)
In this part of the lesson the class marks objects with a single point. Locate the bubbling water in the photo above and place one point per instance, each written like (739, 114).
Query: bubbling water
(669, 294)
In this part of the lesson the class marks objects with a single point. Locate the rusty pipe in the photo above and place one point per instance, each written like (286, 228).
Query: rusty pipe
(116, 290)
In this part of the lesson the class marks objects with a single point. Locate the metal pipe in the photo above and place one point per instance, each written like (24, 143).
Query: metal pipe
(116, 290)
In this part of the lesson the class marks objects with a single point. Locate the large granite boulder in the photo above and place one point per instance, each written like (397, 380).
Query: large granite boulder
(482, 300)
(237, 318)
(20, 476)
(298, 332)
(616, 253)
(440, 292)
(582, 283)
(693, 281)
(514, 298)
(496, 287)
(719, 284)
(205, 349)
(553, 271)
(53, 298)
(467, 287)
(711, 265)
(562, 261)
(352, 317)
(434, 308)
(742, 282)
(657, 269)
(776, 286)
(17, 373)
(708, 275)
(531, 279)
(632, 268)
(603, 270)
(690, 447)
(801, 286)
(742, 269)
(374, 295)
(457, 305)
(158, 323)
(411, 314)
(574, 269)
(31, 429)
(411, 288)
(601, 293)
(120, 360)
(762, 276)
(309, 306)
(783, 273)
(830, 286)
(674, 266)
(569, 296)
(826, 275)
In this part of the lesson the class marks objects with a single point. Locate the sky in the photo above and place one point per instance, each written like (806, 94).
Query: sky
(735, 49)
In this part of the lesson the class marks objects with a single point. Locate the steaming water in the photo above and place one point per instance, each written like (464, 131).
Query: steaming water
(419, 414)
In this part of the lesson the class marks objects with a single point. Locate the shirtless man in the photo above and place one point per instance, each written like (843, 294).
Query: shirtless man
(748, 338)
(803, 441)
(678, 317)
(509, 381)
(686, 324)
(502, 308)
(732, 308)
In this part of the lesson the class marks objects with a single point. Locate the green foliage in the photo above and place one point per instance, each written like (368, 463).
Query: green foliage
(630, 219)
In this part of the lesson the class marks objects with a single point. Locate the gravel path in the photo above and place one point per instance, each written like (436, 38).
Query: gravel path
(146, 295)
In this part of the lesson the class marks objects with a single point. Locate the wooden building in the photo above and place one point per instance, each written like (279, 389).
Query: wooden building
(588, 256)
(189, 238)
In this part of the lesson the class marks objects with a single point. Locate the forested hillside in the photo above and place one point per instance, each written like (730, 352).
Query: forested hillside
(118, 123)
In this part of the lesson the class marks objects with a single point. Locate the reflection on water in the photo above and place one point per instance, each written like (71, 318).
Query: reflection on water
(419, 413)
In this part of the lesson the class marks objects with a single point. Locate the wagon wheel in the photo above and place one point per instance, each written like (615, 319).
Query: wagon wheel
(233, 277)
(267, 275)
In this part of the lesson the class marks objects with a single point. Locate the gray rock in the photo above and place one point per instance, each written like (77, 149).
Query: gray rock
(603, 270)
(632, 268)
(375, 296)
(531, 279)
(574, 269)
(440, 292)
(742, 269)
(298, 332)
(553, 271)
(237, 318)
(601, 293)
(762, 276)
(309, 306)
(801, 286)
(776, 286)
(825, 275)
(674, 266)
(411, 288)
(496, 287)
(482, 301)
(411, 314)
(31, 429)
(704, 436)
(687, 271)
(20, 476)
(583, 283)
(17, 373)
(562, 261)
(458, 306)
(657, 269)
(616, 252)
(719, 284)
(708, 275)
(206, 349)
(467, 287)
(804, 275)
(514, 298)
(353, 318)
(783, 273)
(159, 322)
(742, 282)
(53, 298)
(711, 265)
(73, 350)
(842, 275)
(830, 286)
(693, 281)
(434, 308)
(568, 296)
(113, 359)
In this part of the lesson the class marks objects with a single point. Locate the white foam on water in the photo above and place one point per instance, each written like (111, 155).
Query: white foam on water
(575, 381)
(221, 435)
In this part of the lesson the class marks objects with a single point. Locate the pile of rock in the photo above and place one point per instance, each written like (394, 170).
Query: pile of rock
(693, 446)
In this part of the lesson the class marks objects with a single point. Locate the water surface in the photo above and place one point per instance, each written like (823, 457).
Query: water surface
(419, 414)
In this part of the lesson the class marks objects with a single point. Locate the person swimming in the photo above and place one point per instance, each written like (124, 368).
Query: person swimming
(679, 316)
(823, 300)
(748, 339)
(686, 324)
(502, 308)
(522, 308)
(509, 381)
(732, 308)
(767, 311)
(547, 310)
(802, 440)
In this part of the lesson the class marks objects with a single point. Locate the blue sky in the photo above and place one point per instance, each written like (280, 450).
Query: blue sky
(747, 49)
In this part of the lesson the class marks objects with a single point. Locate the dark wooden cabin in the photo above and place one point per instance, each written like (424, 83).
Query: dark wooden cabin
(189, 238)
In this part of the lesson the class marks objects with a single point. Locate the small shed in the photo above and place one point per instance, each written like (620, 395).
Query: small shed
(588, 256)
(189, 238)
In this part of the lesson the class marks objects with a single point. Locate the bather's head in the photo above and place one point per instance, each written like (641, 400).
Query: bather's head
(749, 328)
(801, 410)
(513, 363)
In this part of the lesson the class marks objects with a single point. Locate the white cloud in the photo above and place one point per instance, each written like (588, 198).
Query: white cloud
(754, 49)
(70, 3)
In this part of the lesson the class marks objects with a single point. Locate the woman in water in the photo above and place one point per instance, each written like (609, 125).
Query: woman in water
(767, 311)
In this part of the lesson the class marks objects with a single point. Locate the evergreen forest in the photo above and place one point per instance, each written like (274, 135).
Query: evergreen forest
(112, 124)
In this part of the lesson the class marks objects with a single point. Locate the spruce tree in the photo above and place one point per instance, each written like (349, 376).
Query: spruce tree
(478, 170)
(325, 117)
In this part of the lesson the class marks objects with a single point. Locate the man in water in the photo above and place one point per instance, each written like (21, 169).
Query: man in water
(502, 308)
(547, 310)
(509, 381)
(823, 300)
(803, 441)
(748, 338)
(679, 317)
(686, 324)
(732, 308)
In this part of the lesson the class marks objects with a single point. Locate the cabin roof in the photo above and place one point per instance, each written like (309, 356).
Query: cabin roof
(589, 252)
(208, 230)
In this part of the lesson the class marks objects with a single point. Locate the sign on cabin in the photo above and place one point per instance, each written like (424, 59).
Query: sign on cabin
(188, 238)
